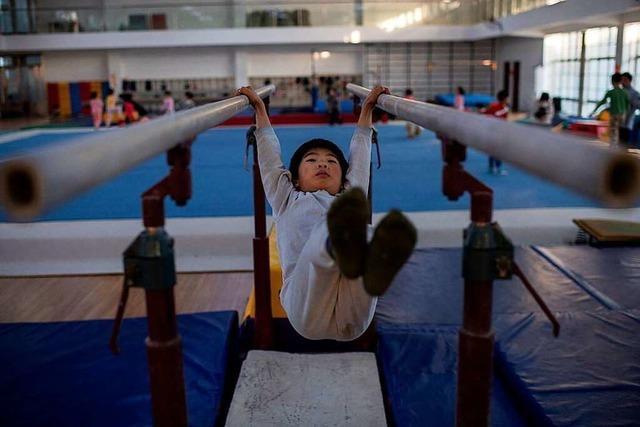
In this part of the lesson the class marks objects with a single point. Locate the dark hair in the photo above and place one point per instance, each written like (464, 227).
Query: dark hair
(544, 96)
(167, 92)
(296, 159)
(93, 95)
(188, 95)
(616, 78)
(110, 91)
(502, 95)
(408, 92)
(460, 90)
(627, 75)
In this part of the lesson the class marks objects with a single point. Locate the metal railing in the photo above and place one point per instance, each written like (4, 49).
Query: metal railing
(36, 181)
(207, 15)
(609, 175)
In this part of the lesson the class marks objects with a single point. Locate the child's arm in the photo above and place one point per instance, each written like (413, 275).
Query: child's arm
(602, 101)
(360, 148)
(276, 179)
(368, 106)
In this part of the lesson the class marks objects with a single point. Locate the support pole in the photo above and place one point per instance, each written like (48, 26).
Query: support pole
(476, 337)
(150, 264)
(263, 337)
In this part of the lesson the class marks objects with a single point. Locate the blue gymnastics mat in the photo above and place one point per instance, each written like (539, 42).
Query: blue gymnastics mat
(429, 289)
(63, 374)
(589, 376)
(418, 363)
(610, 274)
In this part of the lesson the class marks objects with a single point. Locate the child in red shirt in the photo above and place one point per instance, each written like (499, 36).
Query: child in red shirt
(499, 109)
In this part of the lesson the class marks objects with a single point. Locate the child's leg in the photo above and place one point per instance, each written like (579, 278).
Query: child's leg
(320, 302)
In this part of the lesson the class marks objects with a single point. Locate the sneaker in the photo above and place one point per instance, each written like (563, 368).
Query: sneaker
(347, 221)
(391, 246)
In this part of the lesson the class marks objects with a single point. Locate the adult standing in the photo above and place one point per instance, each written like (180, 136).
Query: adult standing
(630, 133)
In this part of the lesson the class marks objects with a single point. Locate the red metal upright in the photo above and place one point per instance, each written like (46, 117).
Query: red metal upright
(150, 264)
(476, 337)
(263, 336)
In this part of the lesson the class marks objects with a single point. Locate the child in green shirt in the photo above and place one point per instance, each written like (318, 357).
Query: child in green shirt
(618, 106)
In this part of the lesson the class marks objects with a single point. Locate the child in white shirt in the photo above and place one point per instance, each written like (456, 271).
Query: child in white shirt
(332, 275)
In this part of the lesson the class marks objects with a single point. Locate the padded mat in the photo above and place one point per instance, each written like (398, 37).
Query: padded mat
(610, 231)
(63, 374)
(610, 274)
(418, 365)
(588, 376)
(429, 289)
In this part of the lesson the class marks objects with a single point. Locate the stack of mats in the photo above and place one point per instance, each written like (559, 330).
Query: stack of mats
(63, 374)
(588, 376)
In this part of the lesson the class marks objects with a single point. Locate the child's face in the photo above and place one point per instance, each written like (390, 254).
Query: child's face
(320, 170)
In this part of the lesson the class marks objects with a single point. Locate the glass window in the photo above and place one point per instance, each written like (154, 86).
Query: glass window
(561, 59)
(630, 48)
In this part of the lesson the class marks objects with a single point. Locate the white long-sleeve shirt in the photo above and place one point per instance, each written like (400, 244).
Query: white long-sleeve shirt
(296, 212)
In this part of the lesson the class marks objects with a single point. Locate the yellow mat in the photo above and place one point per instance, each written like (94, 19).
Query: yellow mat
(607, 230)
(275, 274)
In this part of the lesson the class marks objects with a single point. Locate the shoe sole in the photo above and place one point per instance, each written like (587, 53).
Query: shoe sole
(347, 223)
(392, 244)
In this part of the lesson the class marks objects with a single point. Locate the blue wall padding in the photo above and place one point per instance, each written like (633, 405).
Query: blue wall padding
(613, 274)
(429, 289)
(63, 374)
(76, 100)
(470, 100)
(588, 376)
(419, 373)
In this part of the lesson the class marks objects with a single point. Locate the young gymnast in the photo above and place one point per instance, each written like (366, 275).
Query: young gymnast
(332, 274)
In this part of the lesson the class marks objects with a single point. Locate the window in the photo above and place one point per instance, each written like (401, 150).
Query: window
(600, 63)
(561, 60)
(631, 49)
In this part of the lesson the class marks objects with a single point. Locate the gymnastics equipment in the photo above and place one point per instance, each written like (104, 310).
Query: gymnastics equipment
(608, 175)
(38, 180)
(488, 253)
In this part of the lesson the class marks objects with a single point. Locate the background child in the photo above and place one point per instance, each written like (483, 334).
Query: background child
(168, 104)
(499, 109)
(618, 105)
(413, 130)
(112, 109)
(458, 99)
(322, 239)
(96, 105)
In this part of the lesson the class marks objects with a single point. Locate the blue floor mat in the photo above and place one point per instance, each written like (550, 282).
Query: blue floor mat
(429, 289)
(588, 376)
(63, 374)
(221, 187)
(611, 274)
(418, 364)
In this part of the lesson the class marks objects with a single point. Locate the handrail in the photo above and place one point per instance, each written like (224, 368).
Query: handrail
(34, 182)
(608, 175)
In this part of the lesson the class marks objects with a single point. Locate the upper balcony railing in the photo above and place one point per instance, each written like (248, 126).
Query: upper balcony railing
(113, 15)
